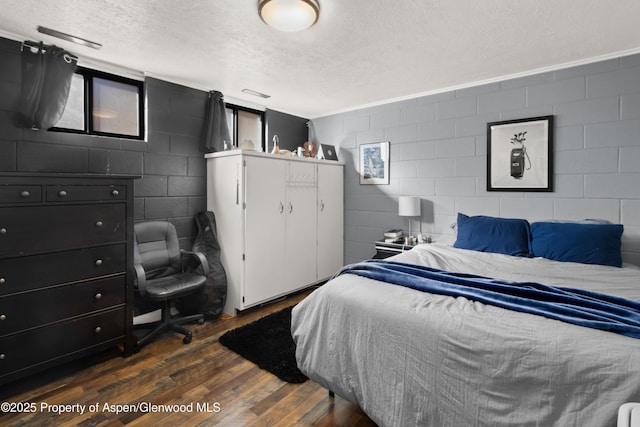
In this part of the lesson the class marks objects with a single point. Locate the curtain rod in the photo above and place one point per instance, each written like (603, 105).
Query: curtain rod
(35, 45)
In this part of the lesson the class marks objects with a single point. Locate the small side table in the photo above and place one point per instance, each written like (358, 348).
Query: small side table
(385, 250)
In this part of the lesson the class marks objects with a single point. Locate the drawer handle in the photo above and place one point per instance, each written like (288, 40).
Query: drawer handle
(2, 281)
(98, 296)
(97, 330)
(3, 231)
(99, 223)
(3, 317)
(98, 262)
(62, 193)
(2, 356)
(115, 192)
(25, 194)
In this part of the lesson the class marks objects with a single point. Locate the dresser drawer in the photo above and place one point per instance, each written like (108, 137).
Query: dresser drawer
(32, 309)
(16, 194)
(25, 230)
(85, 193)
(44, 345)
(26, 273)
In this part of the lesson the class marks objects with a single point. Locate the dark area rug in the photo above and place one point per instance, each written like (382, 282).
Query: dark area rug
(267, 342)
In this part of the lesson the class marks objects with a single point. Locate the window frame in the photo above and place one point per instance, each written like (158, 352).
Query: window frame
(235, 108)
(88, 75)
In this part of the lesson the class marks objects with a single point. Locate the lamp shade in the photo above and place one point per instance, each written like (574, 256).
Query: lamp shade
(408, 206)
(289, 15)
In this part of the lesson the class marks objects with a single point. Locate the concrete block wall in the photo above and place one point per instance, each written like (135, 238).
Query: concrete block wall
(438, 152)
(173, 171)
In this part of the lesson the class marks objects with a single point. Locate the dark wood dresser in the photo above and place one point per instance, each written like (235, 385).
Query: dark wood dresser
(66, 260)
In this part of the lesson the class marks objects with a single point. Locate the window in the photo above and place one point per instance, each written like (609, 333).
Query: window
(104, 104)
(246, 123)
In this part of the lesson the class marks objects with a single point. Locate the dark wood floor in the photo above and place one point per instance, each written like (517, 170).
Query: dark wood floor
(223, 388)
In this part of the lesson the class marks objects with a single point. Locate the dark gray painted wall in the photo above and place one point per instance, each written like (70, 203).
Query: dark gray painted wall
(173, 184)
(291, 130)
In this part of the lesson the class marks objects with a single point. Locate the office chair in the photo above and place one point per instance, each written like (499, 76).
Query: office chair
(162, 276)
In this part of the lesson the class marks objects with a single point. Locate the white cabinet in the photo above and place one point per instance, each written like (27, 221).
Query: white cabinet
(279, 220)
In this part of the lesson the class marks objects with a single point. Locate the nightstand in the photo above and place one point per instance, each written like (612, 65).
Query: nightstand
(385, 250)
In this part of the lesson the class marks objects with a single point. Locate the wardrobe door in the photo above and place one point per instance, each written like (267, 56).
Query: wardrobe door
(265, 216)
(330, 219)
(301, 225)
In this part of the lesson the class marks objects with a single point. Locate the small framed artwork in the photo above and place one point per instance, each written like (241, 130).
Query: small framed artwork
(520, 155)
(374, 163)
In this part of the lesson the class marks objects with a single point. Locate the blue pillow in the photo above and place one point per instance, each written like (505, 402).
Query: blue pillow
(577, 242)
(508, 236)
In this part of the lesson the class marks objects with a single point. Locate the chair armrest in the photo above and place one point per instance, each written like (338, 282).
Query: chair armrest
(140, 280)
(199, 258)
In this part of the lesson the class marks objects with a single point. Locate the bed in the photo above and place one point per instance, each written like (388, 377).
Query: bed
(410, 358)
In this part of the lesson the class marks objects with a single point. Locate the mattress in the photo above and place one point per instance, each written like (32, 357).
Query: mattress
(413, 358)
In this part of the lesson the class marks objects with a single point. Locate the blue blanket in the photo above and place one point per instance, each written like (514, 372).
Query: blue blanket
(580, 307)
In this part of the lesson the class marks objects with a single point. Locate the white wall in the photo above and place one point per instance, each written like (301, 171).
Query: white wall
(438, 152)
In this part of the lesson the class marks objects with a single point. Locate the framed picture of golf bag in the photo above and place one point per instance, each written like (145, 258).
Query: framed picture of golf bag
(520, 155)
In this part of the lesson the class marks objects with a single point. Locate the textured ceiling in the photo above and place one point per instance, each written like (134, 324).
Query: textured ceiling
(361, 52)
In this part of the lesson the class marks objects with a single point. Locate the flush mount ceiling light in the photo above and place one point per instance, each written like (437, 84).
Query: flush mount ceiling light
(69, 37)
(289, 15)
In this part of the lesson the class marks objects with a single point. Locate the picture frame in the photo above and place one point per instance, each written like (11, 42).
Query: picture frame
(520, 154)
(374, 163)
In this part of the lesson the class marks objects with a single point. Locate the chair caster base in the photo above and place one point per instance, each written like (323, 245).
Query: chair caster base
(187, 339)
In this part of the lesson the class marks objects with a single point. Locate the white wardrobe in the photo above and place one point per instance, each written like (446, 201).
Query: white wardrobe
(279, 222)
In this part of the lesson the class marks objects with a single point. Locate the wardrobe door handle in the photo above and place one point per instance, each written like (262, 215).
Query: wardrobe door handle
(290, 207)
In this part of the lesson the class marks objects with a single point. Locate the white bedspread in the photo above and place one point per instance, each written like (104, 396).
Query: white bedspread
(410, 358)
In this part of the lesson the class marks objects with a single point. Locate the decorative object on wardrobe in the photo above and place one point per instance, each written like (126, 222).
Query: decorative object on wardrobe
(409, 206)
(310, 149)
(374, 163)
(289, 15)
(520, 155)
(247, 145)
(276, 145)
(327, 152)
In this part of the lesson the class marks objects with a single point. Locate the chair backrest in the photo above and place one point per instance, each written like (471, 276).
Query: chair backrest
(157, 248)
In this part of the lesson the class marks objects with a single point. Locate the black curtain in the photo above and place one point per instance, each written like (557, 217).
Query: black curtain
(215, 131)
(46, 80)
